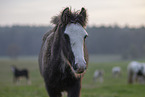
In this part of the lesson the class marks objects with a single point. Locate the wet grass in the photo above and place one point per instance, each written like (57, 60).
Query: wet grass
(111, 87)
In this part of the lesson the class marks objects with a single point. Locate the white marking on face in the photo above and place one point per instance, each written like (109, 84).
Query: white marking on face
(13, 69)
(76, 34)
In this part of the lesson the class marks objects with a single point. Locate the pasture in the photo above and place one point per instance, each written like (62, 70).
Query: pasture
(111, 87)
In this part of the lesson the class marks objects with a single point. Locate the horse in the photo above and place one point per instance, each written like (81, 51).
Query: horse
(98, 74)
(116, 71)
(63, 58)
(17, 74)
(136, 72)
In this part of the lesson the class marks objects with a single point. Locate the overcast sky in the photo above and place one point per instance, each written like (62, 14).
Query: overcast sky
(101, 12)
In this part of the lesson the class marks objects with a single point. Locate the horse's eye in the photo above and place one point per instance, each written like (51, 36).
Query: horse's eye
(85, 36)
(66, 36)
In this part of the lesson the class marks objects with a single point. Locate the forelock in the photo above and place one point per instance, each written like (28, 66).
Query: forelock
(71, 17)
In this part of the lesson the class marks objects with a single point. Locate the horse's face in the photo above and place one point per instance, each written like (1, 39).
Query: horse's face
(77, 35)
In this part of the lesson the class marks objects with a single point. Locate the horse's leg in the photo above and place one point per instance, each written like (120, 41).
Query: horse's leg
(134, 78)
(101, 79)
(137, 79)
(28, 79)
(120, 74)
(130, 77)
(14, 80)
(74, 91)
(94, 79)
(17, 80)
(53, 92)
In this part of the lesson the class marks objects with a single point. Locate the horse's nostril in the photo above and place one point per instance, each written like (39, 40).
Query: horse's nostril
(80, 70)
(75, 67)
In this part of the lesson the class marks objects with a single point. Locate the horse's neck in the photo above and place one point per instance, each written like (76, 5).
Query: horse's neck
(17, 70)
(56, 45)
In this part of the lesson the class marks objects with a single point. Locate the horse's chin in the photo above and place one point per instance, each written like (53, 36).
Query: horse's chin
(76, 72)
(79, 72)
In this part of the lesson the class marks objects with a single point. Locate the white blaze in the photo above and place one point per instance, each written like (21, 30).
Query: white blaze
(76, 34)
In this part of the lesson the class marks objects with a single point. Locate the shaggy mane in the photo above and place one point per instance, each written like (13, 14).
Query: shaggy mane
(72, 17)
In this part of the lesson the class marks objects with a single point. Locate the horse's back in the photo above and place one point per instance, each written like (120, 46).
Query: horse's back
(25, 73)
(133, 66)
(116, 69)
(19, 73)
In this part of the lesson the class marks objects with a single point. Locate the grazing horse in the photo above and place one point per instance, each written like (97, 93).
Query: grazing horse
(98, 74)
(63, 57)
(136, 71)
(116, 71)
(17, 74)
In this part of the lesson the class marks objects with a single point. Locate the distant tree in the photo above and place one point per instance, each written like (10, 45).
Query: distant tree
(125, 55)
(134, 52)
(143, 53)
(26, 40)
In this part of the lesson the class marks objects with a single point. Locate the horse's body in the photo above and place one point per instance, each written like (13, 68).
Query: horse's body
(98, 75)
(63, 57)
(116, 71)
(17, 74)
(136, 71)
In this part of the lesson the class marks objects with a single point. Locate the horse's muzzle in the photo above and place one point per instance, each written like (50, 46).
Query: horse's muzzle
(80, 68)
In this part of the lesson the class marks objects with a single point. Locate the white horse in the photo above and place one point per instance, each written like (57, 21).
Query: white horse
(116, 71)
(136, 72)
(98, 74)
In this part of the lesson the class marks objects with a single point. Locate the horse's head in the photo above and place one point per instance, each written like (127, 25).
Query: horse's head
(13, 68)
(74, 38)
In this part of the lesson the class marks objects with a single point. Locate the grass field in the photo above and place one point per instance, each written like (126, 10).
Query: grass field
(111, 87)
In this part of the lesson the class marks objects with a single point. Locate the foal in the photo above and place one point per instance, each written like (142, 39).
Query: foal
(63, 57)
(17, 74)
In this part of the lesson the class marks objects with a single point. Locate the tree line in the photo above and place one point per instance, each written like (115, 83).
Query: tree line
(26, 40)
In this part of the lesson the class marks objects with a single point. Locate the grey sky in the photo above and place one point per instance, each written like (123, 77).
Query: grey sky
(101, 12)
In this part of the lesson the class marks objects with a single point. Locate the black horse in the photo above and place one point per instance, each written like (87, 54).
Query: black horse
(63, 57)
(17, 74)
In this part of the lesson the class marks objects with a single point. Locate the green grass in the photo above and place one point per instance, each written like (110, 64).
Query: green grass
(111, 87)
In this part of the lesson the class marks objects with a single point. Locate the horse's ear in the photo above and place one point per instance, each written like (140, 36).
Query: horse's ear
(64, 16)
(83, 16)
(83, 13)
